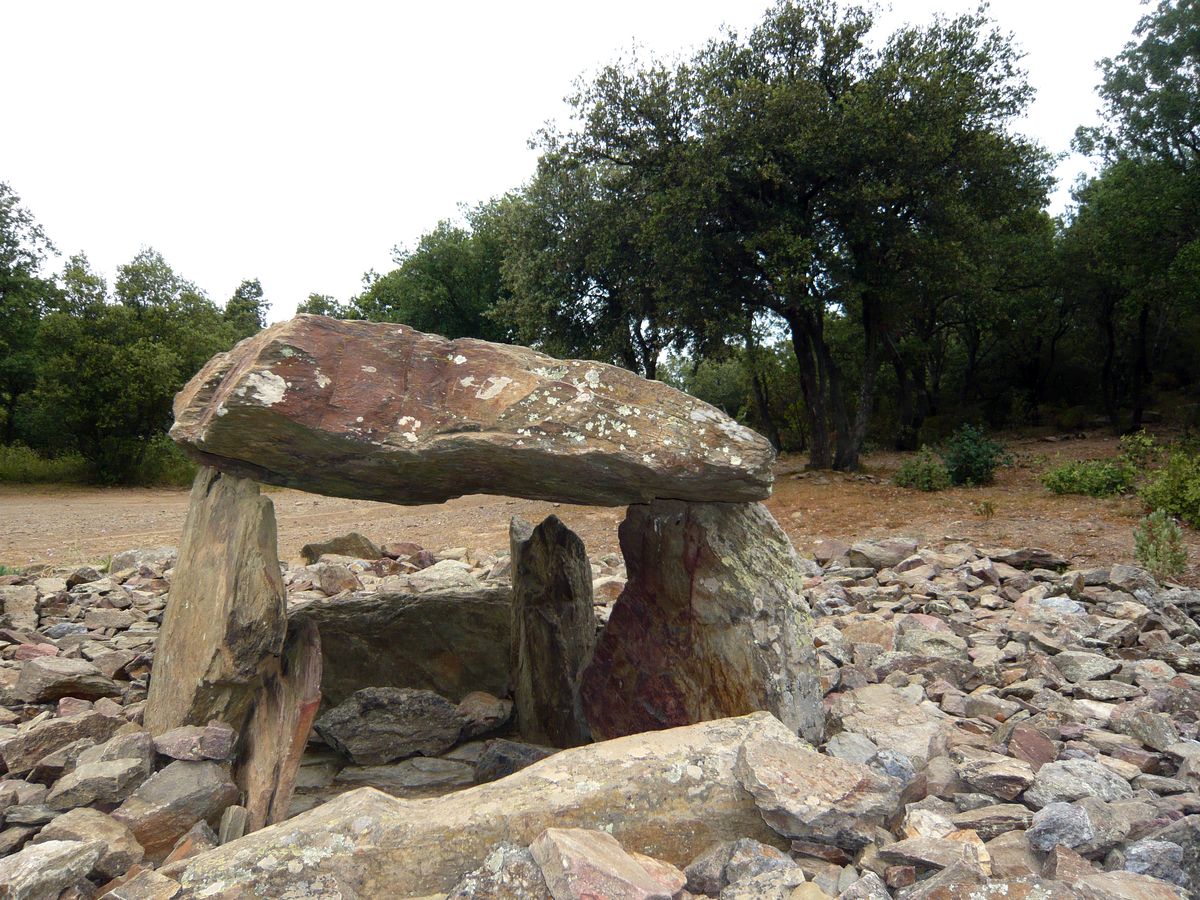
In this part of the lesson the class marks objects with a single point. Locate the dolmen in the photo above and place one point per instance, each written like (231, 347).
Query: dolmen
(711, 625)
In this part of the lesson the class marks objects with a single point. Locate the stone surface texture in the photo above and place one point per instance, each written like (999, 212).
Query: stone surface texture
(224, 625)
(712, 623)
(553, 631)
(379, 411)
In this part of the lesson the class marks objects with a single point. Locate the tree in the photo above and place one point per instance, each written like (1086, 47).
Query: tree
(24, 297)
(323, 305)
(448, 284)
(246, 310)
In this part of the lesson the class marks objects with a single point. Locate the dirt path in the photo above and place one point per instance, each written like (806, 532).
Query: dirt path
(69, 525)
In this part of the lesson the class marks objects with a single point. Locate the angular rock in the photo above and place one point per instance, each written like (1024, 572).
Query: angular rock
(890, 719)
(553, 631)
(881, 554)
(501, 758)
(172, 801)
(145, 885)
(121, 849)
(481, 712)
(778, 884)
(158, 558)
(1078, 666)
(378, 725)
(98, 783)
(195, 742)
(44, 871)
(580, 863)
(353, 545)
(1060, 823)
(712, 623)
(19, 603)
(224, 624)
(450, 642)
(22, 752)
(420, 776)
(45, 679)
(669, 794)
(382, 412)
(1071, 779)
(732, 861)
(508, 873)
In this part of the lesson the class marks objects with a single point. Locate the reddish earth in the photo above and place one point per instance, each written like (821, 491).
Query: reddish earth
(69, 525)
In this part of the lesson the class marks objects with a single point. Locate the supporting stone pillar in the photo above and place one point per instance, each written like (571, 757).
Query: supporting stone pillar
(712, 623)
(553, 631)
(225, 618)
(278, 728)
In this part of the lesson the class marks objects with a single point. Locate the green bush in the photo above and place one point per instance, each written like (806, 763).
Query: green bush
(971, 457)
(1093, 477)
(924, 471)
(1158, 545)
(1175, 488)
(163, 465)
(21, 465)
(1138, 449)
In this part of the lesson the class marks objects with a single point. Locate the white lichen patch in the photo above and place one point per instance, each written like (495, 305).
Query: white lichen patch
(266, 387)
(323, 381)
(371, 370)
(468, 381)
(735, 460)
(495, 384)
(458, 359)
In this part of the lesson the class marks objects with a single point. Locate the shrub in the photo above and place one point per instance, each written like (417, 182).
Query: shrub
(971, 457)
(1158, 545)
(163, 464)
(1138, 449)
(924, 471)
(1093, 477)
(1175, 488)
(20, 464)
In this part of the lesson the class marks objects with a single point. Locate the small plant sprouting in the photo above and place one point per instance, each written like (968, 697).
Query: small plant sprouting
(1158, 545)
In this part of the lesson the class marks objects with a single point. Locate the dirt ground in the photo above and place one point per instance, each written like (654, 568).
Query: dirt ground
(74, 525)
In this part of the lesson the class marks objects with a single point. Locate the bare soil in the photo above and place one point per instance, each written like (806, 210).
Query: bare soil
(65, 525)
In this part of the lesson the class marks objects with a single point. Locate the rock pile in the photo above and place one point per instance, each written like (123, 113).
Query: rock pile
(992, 731)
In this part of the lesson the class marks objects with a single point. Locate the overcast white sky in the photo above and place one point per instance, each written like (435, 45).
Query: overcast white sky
(299, 142)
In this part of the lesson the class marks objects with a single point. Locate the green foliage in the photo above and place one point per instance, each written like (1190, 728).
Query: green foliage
(971, 457)
(19, 464)
(1158, 545)
(1175, 488)
(323, 305)
(246, 310)
(1138, 449)
(1093, 477)
(985, 509)
(7, 570)
(923, 471)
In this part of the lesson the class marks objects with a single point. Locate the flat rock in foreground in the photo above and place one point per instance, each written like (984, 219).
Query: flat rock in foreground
(668, 794)
(378, 411)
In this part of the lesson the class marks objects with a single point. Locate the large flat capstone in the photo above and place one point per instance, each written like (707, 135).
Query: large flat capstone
(379, 411)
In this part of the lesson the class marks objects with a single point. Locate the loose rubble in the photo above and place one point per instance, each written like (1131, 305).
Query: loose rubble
(991, 730)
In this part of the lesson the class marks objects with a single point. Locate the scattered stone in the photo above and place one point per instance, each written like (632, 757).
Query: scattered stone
(353, 545)
(45, 679)
(482, 712)
(103, 783)
(173, 800)
(581, 863)
(502, 757)
(121, 849)
(508, 873)
(195, 742)
(46, 870)
(377, 725)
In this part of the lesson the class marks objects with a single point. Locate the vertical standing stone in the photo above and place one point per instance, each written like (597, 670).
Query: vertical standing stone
(712, 623)
(553, 630)
(224, 623)
(278, 728)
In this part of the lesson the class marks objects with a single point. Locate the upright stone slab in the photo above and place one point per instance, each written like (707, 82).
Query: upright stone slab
(712, 623)
(278, 728)
(553, 631)
(378, 411)
(224, 623)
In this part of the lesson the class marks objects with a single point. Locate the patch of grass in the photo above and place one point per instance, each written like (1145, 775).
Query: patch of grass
(164, 465)
(1091, 477)
(985, 509)
(924, 471)
(6, 570)
(19, 464)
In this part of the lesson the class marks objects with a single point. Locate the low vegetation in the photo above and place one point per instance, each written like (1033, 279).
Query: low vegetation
(1158, 545)
(1093, 477)
(925, 471)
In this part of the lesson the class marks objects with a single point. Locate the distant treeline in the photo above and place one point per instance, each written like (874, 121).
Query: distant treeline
(838, 236)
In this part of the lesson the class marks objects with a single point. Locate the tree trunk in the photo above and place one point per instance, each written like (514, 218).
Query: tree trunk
(762, 401)
(1107, 374)
(1141, 368)
(819, 452)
